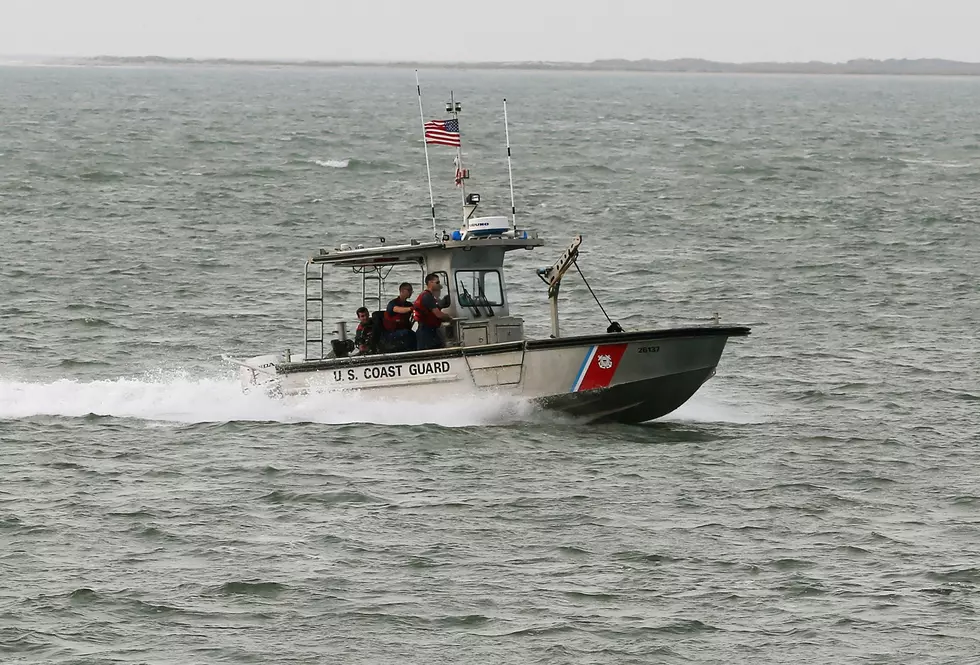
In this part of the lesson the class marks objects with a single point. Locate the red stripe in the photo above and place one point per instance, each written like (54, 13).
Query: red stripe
(597, 376)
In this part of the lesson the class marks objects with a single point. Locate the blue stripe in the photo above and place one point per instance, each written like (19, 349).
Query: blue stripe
(581, 370)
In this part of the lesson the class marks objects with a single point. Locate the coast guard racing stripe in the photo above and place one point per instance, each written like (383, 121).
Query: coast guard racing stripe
(599, 367)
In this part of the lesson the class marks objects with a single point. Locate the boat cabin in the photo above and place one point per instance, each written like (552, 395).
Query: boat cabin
(470, 266)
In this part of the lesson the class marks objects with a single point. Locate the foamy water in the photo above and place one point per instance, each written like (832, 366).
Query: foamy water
(332, 163)
(706, 409)
(181, 397)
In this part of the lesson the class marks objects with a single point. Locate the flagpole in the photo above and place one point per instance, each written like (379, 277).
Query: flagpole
(454, 107)
(425, 147)
(510, 172)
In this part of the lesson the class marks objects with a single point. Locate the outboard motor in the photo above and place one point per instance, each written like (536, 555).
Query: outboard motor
(341, 347)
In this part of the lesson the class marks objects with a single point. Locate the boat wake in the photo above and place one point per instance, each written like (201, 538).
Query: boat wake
(178, 397)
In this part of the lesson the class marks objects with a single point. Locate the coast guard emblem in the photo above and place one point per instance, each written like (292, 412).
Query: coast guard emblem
(599, 366)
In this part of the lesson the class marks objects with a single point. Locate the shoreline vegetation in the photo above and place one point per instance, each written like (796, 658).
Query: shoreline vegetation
(895, 67)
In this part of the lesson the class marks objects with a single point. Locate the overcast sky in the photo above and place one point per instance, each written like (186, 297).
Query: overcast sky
(582, 30)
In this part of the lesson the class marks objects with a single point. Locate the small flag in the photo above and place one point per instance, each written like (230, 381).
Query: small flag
(459, 172)
(442, 132)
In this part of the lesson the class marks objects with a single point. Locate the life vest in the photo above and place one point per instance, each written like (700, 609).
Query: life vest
(398, 321)
(424, 315)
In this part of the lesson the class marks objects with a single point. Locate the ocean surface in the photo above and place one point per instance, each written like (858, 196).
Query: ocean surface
(816, 502)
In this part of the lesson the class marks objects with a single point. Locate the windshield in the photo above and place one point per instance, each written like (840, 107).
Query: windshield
(479, 287)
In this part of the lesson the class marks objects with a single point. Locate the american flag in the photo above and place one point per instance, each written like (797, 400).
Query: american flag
(442, 132)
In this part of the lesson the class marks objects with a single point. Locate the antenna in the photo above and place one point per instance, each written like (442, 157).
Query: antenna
(510, 173)
(454, 107)
(425, 147)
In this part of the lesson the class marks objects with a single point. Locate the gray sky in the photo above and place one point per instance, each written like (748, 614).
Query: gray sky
(730, 30)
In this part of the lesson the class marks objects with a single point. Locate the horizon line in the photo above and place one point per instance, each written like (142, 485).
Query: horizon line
(401, 61)
(854, 66)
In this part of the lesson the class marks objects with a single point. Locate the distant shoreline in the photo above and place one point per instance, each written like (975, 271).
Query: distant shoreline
(897, 67)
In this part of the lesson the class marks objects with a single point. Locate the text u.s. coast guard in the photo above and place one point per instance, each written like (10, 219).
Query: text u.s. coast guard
(392, 371)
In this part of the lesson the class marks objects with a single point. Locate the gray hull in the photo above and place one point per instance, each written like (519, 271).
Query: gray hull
(622, 377)
(653, 372)
(633, 402)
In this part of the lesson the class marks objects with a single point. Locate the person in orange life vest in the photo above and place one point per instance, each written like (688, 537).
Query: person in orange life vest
(398, 334)
(429, 315)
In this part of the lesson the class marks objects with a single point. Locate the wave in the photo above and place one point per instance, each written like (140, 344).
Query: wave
(177, 397)
(704, 409)
(101, 176)
(333, 163)
(379, 166)
(937, 163)
(251, 588)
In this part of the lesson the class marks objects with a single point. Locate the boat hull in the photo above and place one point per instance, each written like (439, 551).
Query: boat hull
(631, 402)
(622, 377)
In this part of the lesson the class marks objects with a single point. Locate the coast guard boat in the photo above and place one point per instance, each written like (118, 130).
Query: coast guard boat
(611, 375)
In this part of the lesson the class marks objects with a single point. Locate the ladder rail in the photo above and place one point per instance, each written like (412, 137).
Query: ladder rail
(373, 276)
(310, 343)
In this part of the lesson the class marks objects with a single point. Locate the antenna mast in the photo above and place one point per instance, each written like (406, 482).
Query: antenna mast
(510, 173)
(425, 147)
(455, 107)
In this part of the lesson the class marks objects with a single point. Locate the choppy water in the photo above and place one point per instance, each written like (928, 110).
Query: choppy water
(817, 502)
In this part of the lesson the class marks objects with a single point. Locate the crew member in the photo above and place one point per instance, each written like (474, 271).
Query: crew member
(430, 316)
(397, 321)
(365, 330)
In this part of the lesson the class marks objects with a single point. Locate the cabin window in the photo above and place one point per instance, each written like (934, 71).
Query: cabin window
(479, 287)
(444, 280)
(380, 283)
